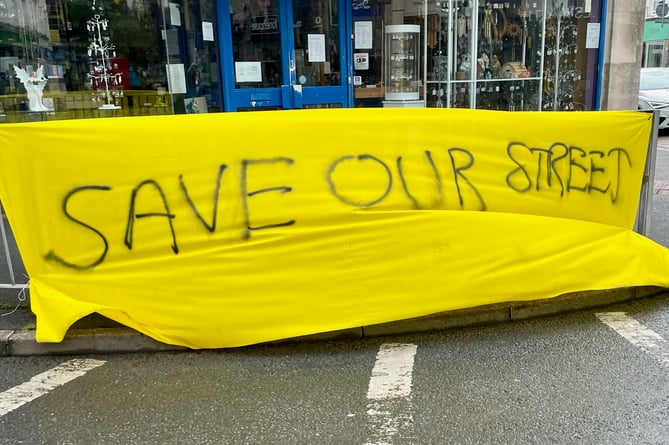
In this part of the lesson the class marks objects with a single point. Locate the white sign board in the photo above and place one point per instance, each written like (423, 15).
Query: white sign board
(316, 47)
(362, 35)
(208, 31)
(592, 36)
(176, 78)
(175, 15)
(248, 72)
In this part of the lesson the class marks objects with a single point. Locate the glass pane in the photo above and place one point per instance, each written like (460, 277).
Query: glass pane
(494, 46)
(256, 43)
(460, 94)
(515, 95)
(368, 23)
(439, 47)
(104, 58)
(201, 58)
(464, 42)
(565, 57)
(191, 56)
(317, 51)
(654, 55)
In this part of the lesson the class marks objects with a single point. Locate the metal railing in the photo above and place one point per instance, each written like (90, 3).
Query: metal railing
(642, 225)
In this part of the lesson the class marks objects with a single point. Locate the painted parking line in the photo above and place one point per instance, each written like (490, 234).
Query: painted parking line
(637, 334)
(42, 383)
(389, 410)
(661, 187)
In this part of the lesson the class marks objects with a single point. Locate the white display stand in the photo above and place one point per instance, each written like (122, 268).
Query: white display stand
(402, 59)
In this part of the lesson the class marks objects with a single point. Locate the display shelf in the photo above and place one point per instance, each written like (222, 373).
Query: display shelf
(525, 79)
(367, 93)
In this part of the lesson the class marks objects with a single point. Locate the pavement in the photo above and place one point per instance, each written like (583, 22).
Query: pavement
(96, 334)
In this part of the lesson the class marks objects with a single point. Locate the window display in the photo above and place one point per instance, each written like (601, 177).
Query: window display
(105, 58)
(484, 55)
(564, 61)
(510, 55)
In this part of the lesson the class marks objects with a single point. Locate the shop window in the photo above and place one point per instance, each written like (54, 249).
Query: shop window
(317, 17)
(388, 48)
(566, 58)
(508, 55)
(105, 58)
(256, 43)
(485, 55)
(368, 25)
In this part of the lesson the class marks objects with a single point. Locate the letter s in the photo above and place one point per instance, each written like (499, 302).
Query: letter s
(52, 256)
(525, 176)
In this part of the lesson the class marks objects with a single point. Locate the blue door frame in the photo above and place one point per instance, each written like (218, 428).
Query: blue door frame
(290, 94)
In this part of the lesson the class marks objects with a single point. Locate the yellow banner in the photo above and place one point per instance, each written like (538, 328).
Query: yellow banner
(236, 228)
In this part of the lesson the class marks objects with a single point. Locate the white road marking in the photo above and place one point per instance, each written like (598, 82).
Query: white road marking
(42, 383)
(637, 334)
(389, 408)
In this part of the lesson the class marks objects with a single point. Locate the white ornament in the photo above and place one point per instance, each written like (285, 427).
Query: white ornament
(34, 83)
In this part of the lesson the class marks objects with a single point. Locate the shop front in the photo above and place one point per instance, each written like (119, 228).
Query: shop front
(656, 43)
(69, 59)
(281, 55)
(513, 55)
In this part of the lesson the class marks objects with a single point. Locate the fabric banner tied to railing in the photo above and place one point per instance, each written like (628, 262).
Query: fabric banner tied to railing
(230, 229)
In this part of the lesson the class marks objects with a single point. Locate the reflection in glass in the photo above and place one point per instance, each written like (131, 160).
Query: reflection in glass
(256, 43)
(316, 20)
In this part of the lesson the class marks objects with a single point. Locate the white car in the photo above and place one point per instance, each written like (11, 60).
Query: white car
(654, 93)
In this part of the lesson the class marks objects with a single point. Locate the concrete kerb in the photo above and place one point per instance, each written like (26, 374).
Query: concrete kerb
(87, 341)
(126, 340)
(511, 311)
(4, 342)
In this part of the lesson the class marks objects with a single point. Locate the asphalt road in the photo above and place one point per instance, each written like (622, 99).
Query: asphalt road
(566, 379)
(569, 379)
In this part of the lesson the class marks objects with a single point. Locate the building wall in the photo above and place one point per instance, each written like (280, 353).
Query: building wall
(623, 53)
